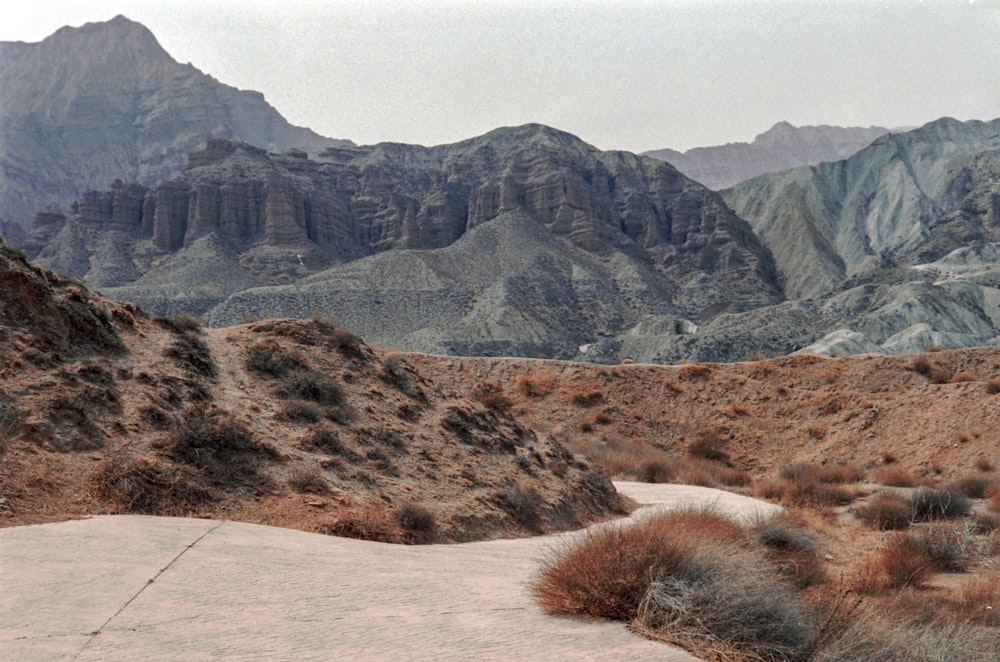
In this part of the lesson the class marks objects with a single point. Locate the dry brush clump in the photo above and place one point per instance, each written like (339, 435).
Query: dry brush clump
(687, 577)
(221, 446)
(150, 487)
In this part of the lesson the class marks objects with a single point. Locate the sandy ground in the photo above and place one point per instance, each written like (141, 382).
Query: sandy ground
(135, 587)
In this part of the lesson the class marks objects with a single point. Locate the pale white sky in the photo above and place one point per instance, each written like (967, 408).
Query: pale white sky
(634, 75)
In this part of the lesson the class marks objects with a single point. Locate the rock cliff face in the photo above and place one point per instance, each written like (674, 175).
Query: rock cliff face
(781, 147)
(104, 101)
(908, 197)
(630, 229)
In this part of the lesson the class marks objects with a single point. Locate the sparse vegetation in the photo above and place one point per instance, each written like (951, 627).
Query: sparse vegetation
(216, 442)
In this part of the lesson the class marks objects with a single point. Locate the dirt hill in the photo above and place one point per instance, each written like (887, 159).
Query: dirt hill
(301, 424)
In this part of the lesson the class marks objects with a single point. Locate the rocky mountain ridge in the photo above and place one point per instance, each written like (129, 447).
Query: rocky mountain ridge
(104, 101)
(613, 235)
(781, 147)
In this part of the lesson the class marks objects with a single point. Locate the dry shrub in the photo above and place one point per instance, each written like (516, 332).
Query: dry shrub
(300, 412)
(947, 547)
(895, 566)
(524, 505)
(364, 521)
(931, 504)
(607, 572)
(894, 477)
(940, 376)
(144, 486)
(984, 464)
(992, 495)
(180, 324)
(192, 354)
(656, 471)
(417, 522)
(993, 386)
(820, 473)
(886, 511)
(269, 359)
(964, 377)
(491, 394)
(978, 601)
(308, 480)
(792, 548)
(710, 445)
(534, 385)
(974, 486)
(817, 494)
(695, 371)
(219, 444)
(585, 397)
(876, 633)
(921, 365)
(731, 477)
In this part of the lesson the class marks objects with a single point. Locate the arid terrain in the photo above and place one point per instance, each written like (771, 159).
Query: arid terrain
(300, 424)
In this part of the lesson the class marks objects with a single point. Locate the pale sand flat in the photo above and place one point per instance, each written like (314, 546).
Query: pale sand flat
(149, 588)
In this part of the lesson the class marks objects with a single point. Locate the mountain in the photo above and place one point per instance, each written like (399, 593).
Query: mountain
(781, 147)
(520, 241)
(907, 198)
(104, 101)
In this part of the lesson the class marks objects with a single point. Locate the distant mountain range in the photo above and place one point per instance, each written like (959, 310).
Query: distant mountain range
(523, 241)
(104, 101)
(781, 147)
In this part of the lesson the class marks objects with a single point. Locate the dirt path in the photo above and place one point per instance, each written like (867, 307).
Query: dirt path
(134, 587)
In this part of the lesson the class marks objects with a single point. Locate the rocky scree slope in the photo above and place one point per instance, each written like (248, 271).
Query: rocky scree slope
(781, 147)
(104, 409)
(523, 241)
(104, 101)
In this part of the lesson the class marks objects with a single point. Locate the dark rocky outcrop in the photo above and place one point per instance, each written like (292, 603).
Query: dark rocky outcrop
(781, 147)
(104, 101)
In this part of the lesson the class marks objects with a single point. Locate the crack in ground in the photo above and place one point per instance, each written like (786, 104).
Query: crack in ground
(93, 635)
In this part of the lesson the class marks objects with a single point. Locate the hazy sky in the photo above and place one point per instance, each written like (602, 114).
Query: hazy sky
(619, 74)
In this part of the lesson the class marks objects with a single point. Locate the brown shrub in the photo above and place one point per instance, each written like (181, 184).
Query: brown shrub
(534, 385)
(984, 464)
(792, 549)
(964, 377)
(921, 365)
(491, 395)
(417, 522)
(308, 480)
(695, 371)
(607, 572)
(993, 386)
(992, 495)
(819, 473)
(886, 511)
(939, 376)
(894, 477)
(978, 601)
(895, 566)
(270, 359)
(586, 398)
(145, 486)
(364, 522)
(710, 445)
(974, 486)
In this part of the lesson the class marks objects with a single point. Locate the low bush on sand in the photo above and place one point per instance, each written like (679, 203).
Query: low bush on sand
(689, 577)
